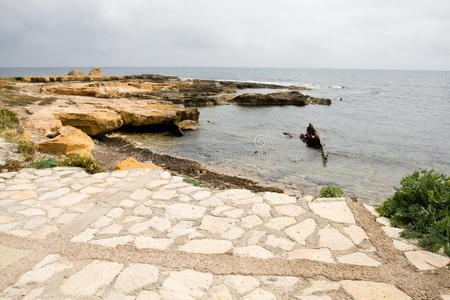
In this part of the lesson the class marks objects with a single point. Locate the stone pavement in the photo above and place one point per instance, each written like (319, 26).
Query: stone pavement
(144, 234)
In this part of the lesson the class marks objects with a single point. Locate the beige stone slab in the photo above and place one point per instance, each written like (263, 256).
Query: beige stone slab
(278, 198)
(185, 211)
(253, 251)
(135, 277)
(323, 255)
(358, 258)
(92, 277)
(279, 223)
(217, 224)
(207, 246)
(365, 290)
(186, 284)
(301, 231)
(258, 294)
(147, 242)
(279, 242)
(333, 239)
(424, 260)
(289, 210)
(356, 233)
(336, 211)
(114, 241)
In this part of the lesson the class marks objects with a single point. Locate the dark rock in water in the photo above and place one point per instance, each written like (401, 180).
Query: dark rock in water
(280, 98)
(288, 134)
(312, 139)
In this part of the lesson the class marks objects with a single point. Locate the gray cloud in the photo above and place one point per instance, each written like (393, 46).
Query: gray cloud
(404, 34)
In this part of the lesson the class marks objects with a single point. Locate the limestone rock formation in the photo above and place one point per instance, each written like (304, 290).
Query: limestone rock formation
(95, 72)
(69, 140)
(76, 73)
(131, 163)
(280, 98)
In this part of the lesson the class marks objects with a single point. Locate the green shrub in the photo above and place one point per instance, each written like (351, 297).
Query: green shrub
(26, 148)
(42, 163)
(7, 119)
(331, 192)
(82, 161)
(422, 206)
(193, 181)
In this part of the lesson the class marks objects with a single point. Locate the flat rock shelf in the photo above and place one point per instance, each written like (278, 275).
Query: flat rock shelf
(145, 234)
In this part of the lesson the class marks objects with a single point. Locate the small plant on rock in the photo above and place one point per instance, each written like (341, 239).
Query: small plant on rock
(42, 163)
(83, 161)
(422, 206)
(193, 181)
(331, 192)
(8, 119)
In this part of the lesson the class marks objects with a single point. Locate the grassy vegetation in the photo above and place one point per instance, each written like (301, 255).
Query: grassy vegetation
(43, 163)
(10, 130)
(193, 181)
(331, 192)
(86, 162)
(422, 206)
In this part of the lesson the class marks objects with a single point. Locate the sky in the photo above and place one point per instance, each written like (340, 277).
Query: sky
(366, 34)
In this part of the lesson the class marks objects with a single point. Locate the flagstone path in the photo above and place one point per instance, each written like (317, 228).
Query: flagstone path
(145, 234)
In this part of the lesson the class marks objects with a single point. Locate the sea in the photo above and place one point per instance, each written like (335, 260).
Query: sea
(382, 125)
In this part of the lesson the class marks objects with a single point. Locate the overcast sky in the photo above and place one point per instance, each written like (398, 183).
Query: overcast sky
(379, 34)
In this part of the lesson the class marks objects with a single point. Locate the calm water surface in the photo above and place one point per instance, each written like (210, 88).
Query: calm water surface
(389, 124)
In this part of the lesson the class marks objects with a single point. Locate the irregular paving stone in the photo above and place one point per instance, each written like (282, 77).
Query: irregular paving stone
(185, 211)
(102, 222)
(392, 231)
(279, 223)
(54, 194)
(356, 233)
(189, 190)
(201, 195)
(142, 210)
(132, 219)
(258, 294)
(156, 183)
(234, 213)
(364, 290)
(313, 297)
(330, 237)
(221, 292)
(262, 210)
(66, 218)
(187, 283)
(70, 199)
(253, 251)
(289, 210)
(23, 195)
(112, 229)
(424, 260)
(235, 194)
(117, 296)
(161, 224)
(85, 236)
(371, 209)
(358, 258)
(301, 231)
(92, 277)
(20, 232)
(11, 255)
(219, 210)
(216, 224)
(164, 195)
(232, 233)
(43, 172)
(385, 221)
(42, 274)
(114, 241)
(34, 294)
(278, 198)
(241, 284)
(115, 213)
(135, 277)
(127, 203)
(255, 237)
(139, 227)
(213, 201)
(322, 254)
(402, 246)
(148, 295)
(207, 246)
(322, 286)
(21, 187)
(28, 212)
(284, 282)
(251, 221)
(43, 231)
(278, 242)
(337, 211)
(180, 229)
(91, 190)
(140, 194)
(147, 242)
(35, 222)
(6, 219)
